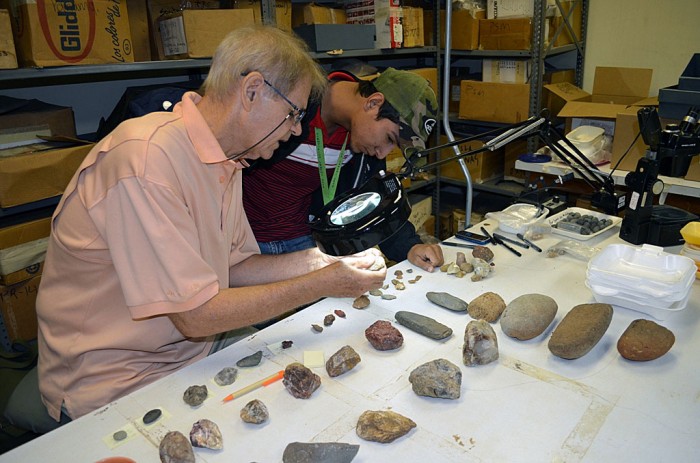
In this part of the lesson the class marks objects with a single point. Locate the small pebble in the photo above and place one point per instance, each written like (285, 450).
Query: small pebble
(119, 435)
(317, 328)
(287, 344)
(251, 360)
(339, 313)
(328, 319)
(152, 416)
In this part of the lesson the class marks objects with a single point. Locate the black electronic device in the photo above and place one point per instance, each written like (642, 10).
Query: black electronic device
(472, 237)
(670, 152)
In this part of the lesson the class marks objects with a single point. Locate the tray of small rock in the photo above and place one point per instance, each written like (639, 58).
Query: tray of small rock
(582, 224)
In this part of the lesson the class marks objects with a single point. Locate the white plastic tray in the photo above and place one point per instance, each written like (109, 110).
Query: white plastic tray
(659, 313)
(557, 217)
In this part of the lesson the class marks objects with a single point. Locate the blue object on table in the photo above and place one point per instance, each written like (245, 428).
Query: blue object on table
(534, 157)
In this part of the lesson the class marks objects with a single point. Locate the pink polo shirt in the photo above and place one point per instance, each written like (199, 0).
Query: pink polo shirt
(148, 226)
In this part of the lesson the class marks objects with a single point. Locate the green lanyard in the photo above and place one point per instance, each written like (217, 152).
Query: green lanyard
(328, 190)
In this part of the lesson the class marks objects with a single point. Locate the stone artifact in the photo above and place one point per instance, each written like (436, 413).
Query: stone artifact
(226, 376)
(152, 416)
(383, 426)
(383, 335)
(206, 434)
(195, 395)
(339, 313)
(488, 306)
(300, 381)
(460, 259)
(319, 452)
(423, 325)
(328, 319)
(255, 412)
(317, 328)
(438, 378)
(527, 316)
(483, 253)
(446, 300)
(375, 292)
(580, 330)
(645, 340)
(287, 344)
(480, 344)
(342, 361)
(388, 297)
(251, 360)
(361, 302)
(482, 269)
(176, 448)
(119, 435)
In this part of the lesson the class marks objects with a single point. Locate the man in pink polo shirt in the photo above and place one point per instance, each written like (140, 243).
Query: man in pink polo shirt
(151, 253)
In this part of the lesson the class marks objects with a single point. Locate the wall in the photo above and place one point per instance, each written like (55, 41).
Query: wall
(661, 35)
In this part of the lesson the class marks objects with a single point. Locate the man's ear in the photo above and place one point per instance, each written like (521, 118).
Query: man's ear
(251, 86)
(374, 101)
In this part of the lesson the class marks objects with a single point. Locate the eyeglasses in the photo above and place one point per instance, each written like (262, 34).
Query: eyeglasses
(296, 113)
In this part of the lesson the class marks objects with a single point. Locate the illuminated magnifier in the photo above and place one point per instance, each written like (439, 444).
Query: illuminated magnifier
(363, 217)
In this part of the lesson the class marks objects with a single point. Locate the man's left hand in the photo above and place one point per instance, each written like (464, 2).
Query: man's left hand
(426, 256)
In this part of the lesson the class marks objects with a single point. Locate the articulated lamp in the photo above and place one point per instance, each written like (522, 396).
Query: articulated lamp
(366, 216)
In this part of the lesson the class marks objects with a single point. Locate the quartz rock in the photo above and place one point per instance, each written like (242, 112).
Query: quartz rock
(488, 306)
(383, 426)
(438, 378)
(580, 330)
(255, 412)
(226, 376)
(319, 452)
(527, 316)
(361, 302)
(251, 360)
(342, 361)
(423, 325)
(205, 433)
(480, 344)
(175, 448)
(300, 381)
(645, 340)
(195, 395)
(383, 335)
(446, 300)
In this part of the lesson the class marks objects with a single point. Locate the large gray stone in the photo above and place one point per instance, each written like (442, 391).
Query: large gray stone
(527, 316)
(423, 325)
(438, 378)
(447, 301)
(319, 452)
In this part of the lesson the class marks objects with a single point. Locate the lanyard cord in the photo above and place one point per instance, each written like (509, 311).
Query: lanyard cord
(327, 190)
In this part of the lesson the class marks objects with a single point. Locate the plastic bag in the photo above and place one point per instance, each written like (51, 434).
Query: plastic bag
(575, 248)
(517, 218)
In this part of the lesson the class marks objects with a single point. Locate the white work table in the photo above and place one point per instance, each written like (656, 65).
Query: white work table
(528, 406)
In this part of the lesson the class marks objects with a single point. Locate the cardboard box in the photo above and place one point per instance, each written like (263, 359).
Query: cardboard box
(431, 75)
(446, 222)
(563, 36)
(36, 175)
(512, 151)
(139, 28)
(694, 170)
(68, 33)
(316, 14)
(505, 34)
(325, 37)
(556, 95)
(18, 310)
(506, 71)
(8, 54)
(32, 236)
(413, 30)
(428, 226)
(159, 9)
(23, 121)
(283, 12)
(385, 15)
(482, 166)
(421, 209)
(459, 219)
(494, 102)
(465, 28)
(509, 8)
(197, 33)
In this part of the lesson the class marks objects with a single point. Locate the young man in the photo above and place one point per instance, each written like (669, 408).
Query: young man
(344, 143)
(151, 254)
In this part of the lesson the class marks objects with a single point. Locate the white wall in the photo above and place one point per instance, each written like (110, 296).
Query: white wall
(659, 34)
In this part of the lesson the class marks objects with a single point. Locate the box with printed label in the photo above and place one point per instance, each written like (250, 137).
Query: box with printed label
(506, 71)
(385, 15)
(465, 28)
(68, 32)
(413, 30)
(18, 310)
(505, 34)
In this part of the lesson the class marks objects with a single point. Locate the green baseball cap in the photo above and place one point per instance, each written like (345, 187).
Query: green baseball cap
(411, 95)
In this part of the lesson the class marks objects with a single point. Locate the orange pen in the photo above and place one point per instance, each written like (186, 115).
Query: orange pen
(251, 387)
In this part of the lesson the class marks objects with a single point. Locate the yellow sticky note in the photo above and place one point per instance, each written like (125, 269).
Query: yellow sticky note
(313, 358)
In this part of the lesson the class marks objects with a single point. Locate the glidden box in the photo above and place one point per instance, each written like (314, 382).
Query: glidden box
(65, 32)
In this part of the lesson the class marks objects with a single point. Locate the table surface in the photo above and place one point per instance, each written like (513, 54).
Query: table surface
(529, 405)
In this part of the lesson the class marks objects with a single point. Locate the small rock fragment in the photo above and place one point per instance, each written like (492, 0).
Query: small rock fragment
(339, 313)
(388, 297)
(319, 452)
(467, 267)
(438, 378)
(580, 330)
(152, 416)
(645, 340)
(342, 361)
(423, 325)
(460, 259)
(446, 300)
(255, 412)
(383, 335)
(205, 433)
(361, 302)
(328, 319)
(527, 316)
(175, 448)
(226, 376)
(482, 252)
(375, 292)
(383, 426)
(251, 360)
(195, 395)
(378, 264)
(398, 274)
(300, 381)
(488, 306)
(480, 344)
(317, 328)
(287, 344)
(119, 435)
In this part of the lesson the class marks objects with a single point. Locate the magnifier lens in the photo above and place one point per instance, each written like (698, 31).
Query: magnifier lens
(355, 208)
